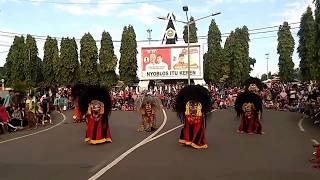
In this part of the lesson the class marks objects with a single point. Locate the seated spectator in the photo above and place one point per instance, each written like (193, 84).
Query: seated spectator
(16, 120)
(293, 107)
(269, 104)
(125, 106)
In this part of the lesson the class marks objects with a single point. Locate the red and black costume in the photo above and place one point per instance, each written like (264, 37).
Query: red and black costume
(192, 105)
(248, 106)
(316, 159)
(77, 91)
(96, 103)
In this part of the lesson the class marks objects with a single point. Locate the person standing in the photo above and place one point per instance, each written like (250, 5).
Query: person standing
(193, 103)
(96, 104)
(248, 106)
(30, 113)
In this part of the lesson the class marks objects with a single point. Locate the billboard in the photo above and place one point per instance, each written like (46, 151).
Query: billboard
(171, 62)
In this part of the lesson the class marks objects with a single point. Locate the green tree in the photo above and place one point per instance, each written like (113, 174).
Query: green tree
(297, 74)
(33, 64)
(233, 53)
(192, 30)
(236, 54)
(264, 77)
(252, 62)
(317, 48)
(15, 62)
(88, 58)
(285, 50)
(68, 62)
(107, 61)
(50, 61)
(214, 67)
(128, 59)
(306, 48)
(242, 37)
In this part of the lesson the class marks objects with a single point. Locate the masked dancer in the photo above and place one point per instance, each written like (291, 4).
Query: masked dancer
(192, 105)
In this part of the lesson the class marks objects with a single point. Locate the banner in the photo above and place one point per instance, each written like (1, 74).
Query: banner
(171, 62)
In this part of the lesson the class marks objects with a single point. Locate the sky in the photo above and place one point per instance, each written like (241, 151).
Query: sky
(73, 18)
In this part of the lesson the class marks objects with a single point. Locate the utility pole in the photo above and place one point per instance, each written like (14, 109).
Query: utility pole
(149, 35)
(185, 9)
(188, 23)
(267, 57)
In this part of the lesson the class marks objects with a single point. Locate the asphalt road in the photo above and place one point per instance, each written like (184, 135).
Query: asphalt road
(60, 153)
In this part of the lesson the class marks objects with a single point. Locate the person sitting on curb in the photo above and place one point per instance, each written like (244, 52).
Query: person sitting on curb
(16, 120)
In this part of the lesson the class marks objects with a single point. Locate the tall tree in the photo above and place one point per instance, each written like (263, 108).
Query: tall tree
(107, 61)
(68, 62)
(88, 58)
(264, 77)
(50, 61)
(306, 48)
(214, 66)
(269, 75)
(15, 61)
(233, 53)
(128, 59)
(252, 62)
(317, 48)
(33, 64)
(285, 50)
(192, 30)
(242, 35)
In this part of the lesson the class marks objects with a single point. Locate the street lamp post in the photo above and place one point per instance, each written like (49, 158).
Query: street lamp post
(188, 23)
(149, 35)
(185, 9)
(267, 57)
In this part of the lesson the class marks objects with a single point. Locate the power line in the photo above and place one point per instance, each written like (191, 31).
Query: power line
(42, 37)
(271, 27)
(94, 3)
(257, 29)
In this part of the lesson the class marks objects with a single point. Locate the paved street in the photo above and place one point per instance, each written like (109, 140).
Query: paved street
(60, 153)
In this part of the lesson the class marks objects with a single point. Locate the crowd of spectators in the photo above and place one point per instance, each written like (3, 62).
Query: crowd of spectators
(18, 112)
(303, 98)
(28, 112)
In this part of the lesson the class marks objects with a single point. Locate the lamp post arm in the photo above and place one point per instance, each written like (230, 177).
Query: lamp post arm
(207, 16)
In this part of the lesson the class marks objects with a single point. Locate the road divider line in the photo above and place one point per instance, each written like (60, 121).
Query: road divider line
(315, 141)
(162, 134)
(300, 125)
(38, 132)
(122, 156)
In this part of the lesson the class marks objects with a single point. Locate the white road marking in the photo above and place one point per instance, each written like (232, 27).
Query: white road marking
(38, 132)
(162, 134)
(315, 141)
(166, 132)
(122, 156)
(300, 125)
